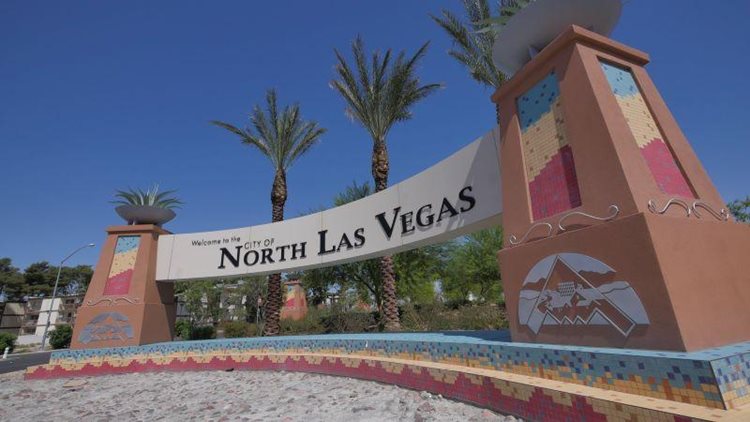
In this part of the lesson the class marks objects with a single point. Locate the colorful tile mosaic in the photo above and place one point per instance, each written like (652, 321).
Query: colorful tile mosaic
(704, 378)
(647, 135)
(553, 184)
(123, 263)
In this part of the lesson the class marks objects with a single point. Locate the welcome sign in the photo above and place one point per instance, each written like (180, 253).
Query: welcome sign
(458, 195)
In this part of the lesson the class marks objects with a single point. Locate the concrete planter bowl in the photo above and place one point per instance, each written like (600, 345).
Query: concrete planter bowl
(537, 24)
(145, 214)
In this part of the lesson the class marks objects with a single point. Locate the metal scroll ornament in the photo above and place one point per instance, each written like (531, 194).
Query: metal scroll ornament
(721, 215)
(690, 209)
(514, 240)
(674, 201)
(112, 301)
(614, 211)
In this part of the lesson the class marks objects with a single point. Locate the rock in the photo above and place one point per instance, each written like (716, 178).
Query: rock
(425, 395)
(487, 414)
(426, 407)
(75, 384)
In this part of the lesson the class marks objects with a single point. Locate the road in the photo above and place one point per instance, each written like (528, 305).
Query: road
(22, 361)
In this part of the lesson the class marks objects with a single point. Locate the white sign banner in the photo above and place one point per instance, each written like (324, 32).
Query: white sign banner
(459, 195)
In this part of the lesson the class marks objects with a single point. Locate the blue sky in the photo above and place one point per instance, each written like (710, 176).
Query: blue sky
(96, 96)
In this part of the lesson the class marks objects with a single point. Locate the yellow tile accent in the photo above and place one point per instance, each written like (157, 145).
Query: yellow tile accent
(639, 118)
(543, 139)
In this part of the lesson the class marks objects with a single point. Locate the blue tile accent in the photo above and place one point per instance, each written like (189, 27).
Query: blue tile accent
(537, 101)
(621, 80)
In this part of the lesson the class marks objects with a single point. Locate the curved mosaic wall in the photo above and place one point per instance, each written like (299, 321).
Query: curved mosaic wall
(700, 378)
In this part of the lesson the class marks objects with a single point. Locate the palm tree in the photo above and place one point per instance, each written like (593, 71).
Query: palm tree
(378, 95)
(473, 41)
(282, 136)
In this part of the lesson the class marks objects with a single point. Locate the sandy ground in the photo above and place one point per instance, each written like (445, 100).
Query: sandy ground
(239, 395)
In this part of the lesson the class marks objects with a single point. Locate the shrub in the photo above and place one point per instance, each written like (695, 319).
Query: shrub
(349, 322)
(202, 333)
(60, 337)
(7, 340)
(182, 329)
(482, 317)
(333, 320)
(411, 320)
(310, 324)
(436, 317)
(235, 329)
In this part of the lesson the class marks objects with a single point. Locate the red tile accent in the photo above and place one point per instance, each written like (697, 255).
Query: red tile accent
(118, 284)
(555, 189)
(668, 176)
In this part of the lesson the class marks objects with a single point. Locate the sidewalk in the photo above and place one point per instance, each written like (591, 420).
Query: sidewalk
(20, 361)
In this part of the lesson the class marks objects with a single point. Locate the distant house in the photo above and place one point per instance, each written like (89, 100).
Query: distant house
(30, 318)
(12, 317)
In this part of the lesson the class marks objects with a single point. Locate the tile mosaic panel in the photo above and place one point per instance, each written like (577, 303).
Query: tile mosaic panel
(123, 264)
(553, 184)
(648, 137)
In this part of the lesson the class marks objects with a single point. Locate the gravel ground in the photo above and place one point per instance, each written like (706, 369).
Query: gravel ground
(239, 395)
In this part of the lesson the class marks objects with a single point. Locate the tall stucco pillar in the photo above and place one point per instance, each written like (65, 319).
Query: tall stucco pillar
(616, 234)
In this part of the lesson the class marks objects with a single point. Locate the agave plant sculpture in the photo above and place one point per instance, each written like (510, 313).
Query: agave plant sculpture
(151, 197)
(137, 206)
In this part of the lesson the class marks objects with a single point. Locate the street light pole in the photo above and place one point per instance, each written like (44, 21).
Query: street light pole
(54, 291)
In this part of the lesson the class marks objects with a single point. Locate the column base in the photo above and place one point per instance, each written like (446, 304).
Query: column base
(121, 325)
(645, 282)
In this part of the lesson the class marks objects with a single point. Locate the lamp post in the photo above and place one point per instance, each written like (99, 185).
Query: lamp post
(54, 291)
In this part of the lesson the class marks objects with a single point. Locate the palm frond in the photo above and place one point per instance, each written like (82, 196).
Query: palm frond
(282, 135)
(473, 40)
(381, 93)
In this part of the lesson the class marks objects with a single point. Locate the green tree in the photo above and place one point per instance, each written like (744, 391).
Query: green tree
(417, 270)
(39, 278)
(282, 136)
(202, 300)
(7, 340)
(472, 269)
(12, 284)
(740, 209)
(60, 337)
(319, 284)
(75, 280)
(378, 94)
(251, 288)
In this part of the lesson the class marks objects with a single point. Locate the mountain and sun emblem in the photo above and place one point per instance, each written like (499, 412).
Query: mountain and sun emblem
(575, 289)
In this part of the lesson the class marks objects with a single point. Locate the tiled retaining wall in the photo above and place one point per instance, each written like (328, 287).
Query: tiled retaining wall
(716, 378)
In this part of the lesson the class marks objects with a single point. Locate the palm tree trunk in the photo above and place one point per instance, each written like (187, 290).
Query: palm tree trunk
(274, 299)
(497, 113)
(380, 167)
